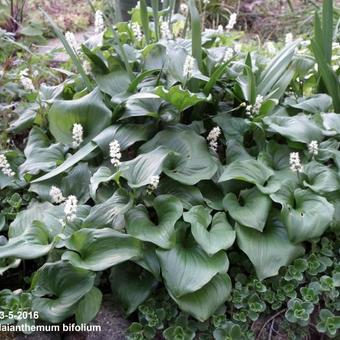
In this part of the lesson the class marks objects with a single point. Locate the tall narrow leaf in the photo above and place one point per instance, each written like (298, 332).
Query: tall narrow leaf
(71, 53)
(327, 28)
(196, 33)
(144, 17)
(155, 17)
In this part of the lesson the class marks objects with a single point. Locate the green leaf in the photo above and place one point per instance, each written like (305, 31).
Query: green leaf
(204, 302)
(190, 161)
(99, 249)
(139, 107)
(187, 269)
(45, 213)
(89, 111)
(57, 287)
(138, 223)
(315, 104)
(40, 154)
(311, 213)
(88, 306)
(268, 250)
(249, 170)
(181, 98)
(34, 242)
(103, 175)
(139, 170)
(331, 122)
(253, 210)
(196, 31)
(219, 236)
(321, 178)
(299, 128)
(115, 83)
(110, 212)
(131, 284)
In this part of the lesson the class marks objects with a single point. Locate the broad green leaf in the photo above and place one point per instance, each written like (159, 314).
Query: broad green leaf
(115, 83)
(268, 250)
(181, 98)
(88, 307)
(251, 209)
(249, 170)
(89, 111)
(109, 212)
(331, 122)
(321, 179)
(232, 127)
(40, 154)
(75, 182)
(154, 57)
(219, 236)
(308, 218)
(34, 242)
(99, 249)
(316, 104)
(190, 161)
(131, 284)
(138, 223)
(142, 107)
(204, 302)
(187, 194)
(187, 269)
(8, 263)
(299, 128)
(57, 287)
(139, 170)
(103, 175)
(46, 213)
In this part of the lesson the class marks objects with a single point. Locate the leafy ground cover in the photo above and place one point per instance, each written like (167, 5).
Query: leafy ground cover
(192, 176)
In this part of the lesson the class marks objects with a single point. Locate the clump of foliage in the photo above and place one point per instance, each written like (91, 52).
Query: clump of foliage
(295, 304)
(164, 158)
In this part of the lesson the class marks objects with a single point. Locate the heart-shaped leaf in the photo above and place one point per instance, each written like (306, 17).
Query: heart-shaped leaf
(219, 236)
(254, 210)
(138, 224)
(88, 306)
(58, 286)
(205, 301)
(99, 249)
(268, 250)
(190, 161)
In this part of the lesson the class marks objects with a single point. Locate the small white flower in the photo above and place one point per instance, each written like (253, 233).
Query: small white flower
(153, 184)
(220, 29)
(137, 32)
(5, 166)
(206, 2)
(289, 38)
(165, 30)
(99, 22)
(56, 195)
(70, 207)
(270, 47)
(232, 21)
(188, 67)
(212, 138)
(71, 40)
(294, 162)
(237, 48)
(228, 54)
(115, 153)
(26, 82)
(313, 147)
(87, 66)
(252, 110)
(77, 135)
(183, 8)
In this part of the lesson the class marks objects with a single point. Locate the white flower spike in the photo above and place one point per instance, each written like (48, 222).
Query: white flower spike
(115, 153)
(188, 67)
(232, 21)
(295, 163)
(154, 181)
(313, 147)
(99, 22)
(77, 135)
(70, 207)
(56, 195)
(212, 138)
(5, 166)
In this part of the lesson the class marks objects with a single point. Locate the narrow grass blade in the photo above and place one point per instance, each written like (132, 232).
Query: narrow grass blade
(75, 59)
(327, 28)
